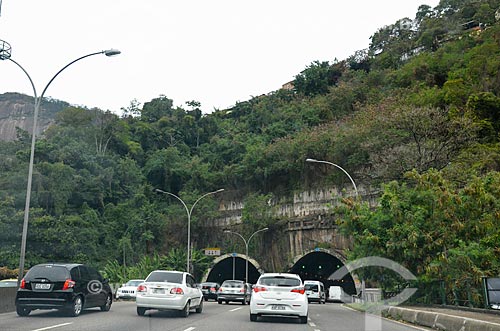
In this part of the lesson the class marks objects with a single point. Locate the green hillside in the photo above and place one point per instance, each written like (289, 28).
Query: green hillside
(416, 114)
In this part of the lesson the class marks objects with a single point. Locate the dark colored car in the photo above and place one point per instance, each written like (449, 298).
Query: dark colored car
(210, 290)
(67, 287)
(234, 290)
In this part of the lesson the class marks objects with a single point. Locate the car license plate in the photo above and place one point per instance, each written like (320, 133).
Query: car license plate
(277, 307)
(158, 291)
(39, 286)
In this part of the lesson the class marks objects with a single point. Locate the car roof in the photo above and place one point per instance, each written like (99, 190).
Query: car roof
(273, 274)
(174, 271)
(58, 264)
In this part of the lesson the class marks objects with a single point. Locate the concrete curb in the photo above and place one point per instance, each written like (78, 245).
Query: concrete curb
(7, 299)
(439, 321)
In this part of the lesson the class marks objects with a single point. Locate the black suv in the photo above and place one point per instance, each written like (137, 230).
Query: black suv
(68, 287)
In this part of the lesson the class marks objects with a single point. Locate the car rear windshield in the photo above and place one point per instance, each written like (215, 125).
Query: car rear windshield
(208, 285)
(233, 283)
(279, 281)
(311, 287)
(50, 272)
(165, 276)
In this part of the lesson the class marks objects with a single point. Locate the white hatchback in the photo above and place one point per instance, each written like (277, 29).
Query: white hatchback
(279, 294)
(169, 290)
(127, 290)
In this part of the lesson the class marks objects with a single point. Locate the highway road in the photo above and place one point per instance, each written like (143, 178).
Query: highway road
(232, 317)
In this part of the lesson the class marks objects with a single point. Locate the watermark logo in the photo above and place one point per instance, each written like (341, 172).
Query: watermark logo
(373, 320)
(94, 286)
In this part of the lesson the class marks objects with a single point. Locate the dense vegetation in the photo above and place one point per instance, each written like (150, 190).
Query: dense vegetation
(417, 113)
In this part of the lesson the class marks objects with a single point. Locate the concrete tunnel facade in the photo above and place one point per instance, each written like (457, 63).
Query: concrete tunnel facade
(318, 264)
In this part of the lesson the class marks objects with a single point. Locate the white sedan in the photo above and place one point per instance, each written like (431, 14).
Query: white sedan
(128, 290)
(279, 294)
(169, 290)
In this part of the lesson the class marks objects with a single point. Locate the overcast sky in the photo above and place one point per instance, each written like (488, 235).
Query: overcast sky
(216, 52)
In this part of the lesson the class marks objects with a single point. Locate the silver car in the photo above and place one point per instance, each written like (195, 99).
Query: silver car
(169, 290)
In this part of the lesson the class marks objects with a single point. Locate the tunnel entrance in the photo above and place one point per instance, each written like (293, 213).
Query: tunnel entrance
(223, 269)
(320, 265)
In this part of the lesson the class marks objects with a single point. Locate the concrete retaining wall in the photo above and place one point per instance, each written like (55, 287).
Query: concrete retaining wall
(439, 321)
(7, 299)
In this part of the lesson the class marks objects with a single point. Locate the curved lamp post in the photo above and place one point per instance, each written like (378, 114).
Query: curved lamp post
(5, 55)
(247, 242)
(189, 212)
(336, 165)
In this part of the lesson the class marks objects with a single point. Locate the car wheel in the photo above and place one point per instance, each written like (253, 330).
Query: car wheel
(227, 302)
(107, 304)
(303, 319)
(21, 311)
(76, 307)
(199, 309)
(205, 298)
(253, 317)
(219, 302)
(141, 311)
(185, 311)
(244, 302)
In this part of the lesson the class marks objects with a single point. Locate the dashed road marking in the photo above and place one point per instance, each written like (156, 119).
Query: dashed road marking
(312, 324)
(53, 326)
(235, 309)
(190, 329)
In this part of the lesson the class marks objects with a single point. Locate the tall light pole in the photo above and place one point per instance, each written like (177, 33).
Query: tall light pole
(189, 212)
(247, 242)
(336, 165)
(38, 101)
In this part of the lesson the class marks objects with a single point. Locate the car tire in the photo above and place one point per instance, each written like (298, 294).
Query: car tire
(253, 317)
(21, 311)
(219, 302)
(205, 298)
(199, 309)
(227, 302)
(244, 302)
(141, 311)
(76, 307)
(107, 304)
(303, 319)
(185, 310)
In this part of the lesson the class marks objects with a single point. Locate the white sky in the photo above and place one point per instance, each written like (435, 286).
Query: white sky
(217, 52)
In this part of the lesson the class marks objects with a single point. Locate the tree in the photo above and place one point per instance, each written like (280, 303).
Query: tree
(317, 78)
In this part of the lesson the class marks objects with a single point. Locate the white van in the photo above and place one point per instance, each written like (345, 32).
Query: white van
(315, 291)
(336, 294)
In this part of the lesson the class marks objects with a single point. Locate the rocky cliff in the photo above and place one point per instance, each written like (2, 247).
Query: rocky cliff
(16, 111)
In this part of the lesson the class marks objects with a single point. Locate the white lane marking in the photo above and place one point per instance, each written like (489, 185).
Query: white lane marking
(317, 330)
(190, 329)
(312, 324)
(53, 327)
(235, 309)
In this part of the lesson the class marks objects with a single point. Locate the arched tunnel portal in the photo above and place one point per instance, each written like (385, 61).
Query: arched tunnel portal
(224, 265)
(320, 265)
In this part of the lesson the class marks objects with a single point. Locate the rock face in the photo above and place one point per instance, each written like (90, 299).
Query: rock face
(16, 111)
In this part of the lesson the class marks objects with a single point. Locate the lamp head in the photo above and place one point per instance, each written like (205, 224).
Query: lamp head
(111, 52)
(311, 160)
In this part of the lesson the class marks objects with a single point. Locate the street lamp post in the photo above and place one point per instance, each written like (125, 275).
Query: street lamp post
(336, 165)
(38, 101)
(189, 212)
(247, 242)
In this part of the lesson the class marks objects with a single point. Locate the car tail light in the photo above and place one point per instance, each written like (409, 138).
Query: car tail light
(23, 284)
(220, 289)
(300, 290)
(212, 289)
(68, 284)
(141, 288)
(257, 289)
(177, 290)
